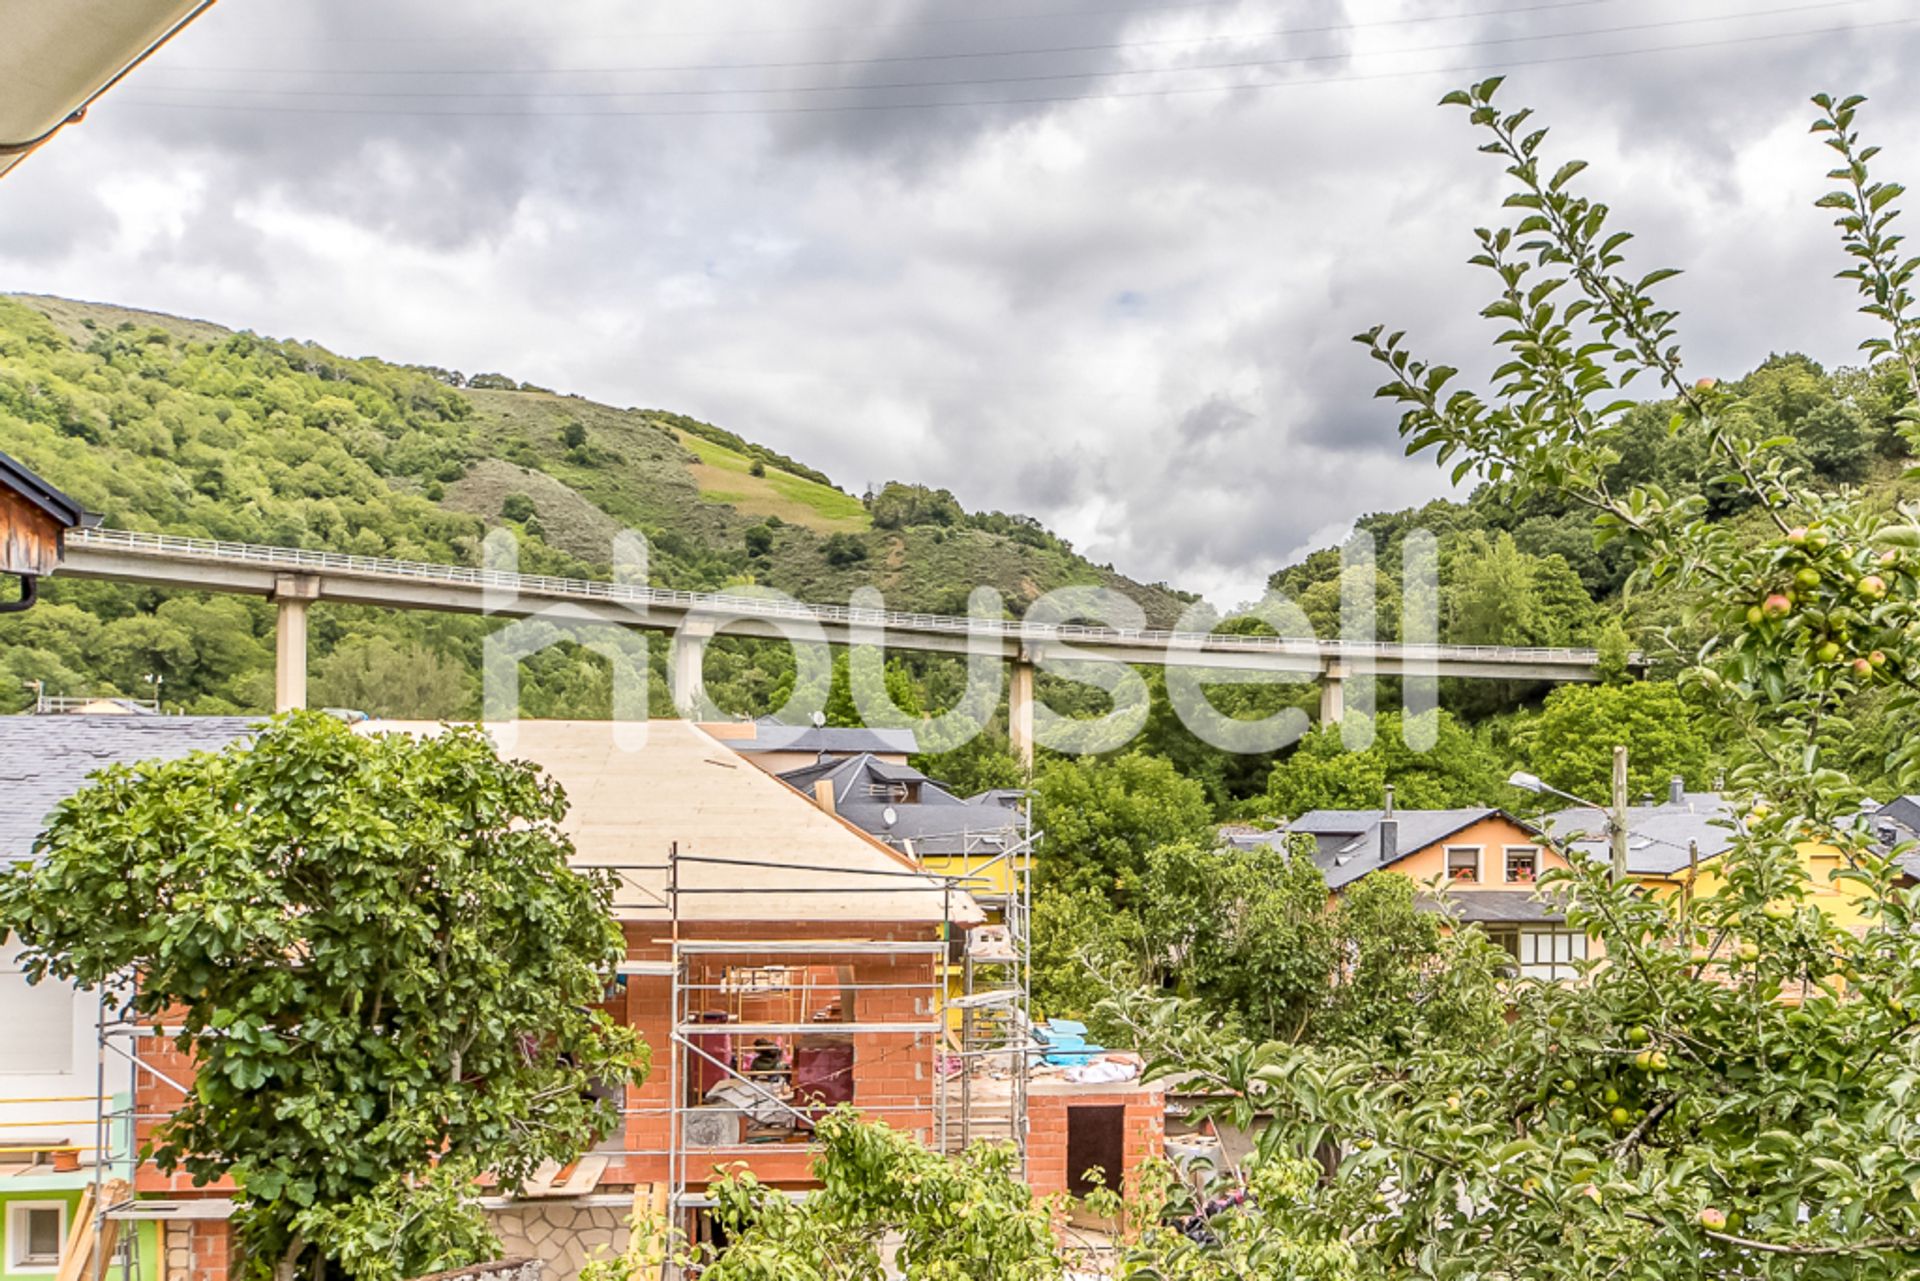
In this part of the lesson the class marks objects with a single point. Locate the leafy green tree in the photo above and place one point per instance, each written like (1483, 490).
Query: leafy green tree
(1247, 931)
(379, 677)
(1570, 743)
(1457, 770)
(898, 506)
(377, 954)
(1102, 818)
(843, 550)
(1719, 1096)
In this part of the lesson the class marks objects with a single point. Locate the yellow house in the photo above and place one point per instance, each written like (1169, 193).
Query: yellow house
(1677, 842)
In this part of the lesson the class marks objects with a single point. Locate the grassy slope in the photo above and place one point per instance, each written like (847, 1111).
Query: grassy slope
(694, 497)
(725, 476)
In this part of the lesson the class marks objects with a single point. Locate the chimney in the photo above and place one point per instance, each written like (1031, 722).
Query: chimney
(823, 794)
(1389, 831)
(1677, 790)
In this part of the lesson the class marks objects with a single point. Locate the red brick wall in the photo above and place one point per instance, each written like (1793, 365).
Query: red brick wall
(893, 1071)
(1146, 1134)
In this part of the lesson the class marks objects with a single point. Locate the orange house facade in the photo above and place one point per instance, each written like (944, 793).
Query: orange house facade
(1488, 862)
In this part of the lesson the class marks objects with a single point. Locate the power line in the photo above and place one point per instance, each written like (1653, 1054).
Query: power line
(1037, 99)
(1111, 47)
(1044, 15)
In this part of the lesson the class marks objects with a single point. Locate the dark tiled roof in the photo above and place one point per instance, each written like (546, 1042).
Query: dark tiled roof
(771, 736)
(1496, 907)
(1658, 836)
(1348, 845)
(937, 823)
(45, 759)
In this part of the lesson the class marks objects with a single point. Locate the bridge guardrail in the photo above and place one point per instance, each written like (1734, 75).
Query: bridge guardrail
(300, 560)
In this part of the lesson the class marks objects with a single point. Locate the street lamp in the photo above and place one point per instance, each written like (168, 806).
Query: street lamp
(1616, 814)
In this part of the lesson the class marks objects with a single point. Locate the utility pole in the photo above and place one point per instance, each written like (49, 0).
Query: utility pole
(1617, 820)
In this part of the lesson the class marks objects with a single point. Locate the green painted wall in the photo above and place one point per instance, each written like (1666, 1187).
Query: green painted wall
(67, 1188)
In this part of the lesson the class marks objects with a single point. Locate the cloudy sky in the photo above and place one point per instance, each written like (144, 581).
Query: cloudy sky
(1096, 260)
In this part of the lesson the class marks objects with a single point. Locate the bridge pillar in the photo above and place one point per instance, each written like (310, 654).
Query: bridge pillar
(293, 593)
(687, 665)
(1020, 710)
(1333, 698)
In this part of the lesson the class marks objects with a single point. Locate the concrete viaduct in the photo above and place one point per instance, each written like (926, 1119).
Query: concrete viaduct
(295, 579)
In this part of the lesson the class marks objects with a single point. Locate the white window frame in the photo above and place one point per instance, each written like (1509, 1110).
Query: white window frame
(1479, 853)
(1507, 853)
(18, 1238)
(1565, 949)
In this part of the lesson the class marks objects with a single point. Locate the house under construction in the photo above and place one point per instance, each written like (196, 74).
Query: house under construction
(780, 961)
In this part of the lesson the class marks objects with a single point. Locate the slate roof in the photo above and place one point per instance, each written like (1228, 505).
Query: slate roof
(1895, 824)
(1658, 836)
(1496, 907)
(938, 823)
(1347, 843)
(771, 736)
(45, 759)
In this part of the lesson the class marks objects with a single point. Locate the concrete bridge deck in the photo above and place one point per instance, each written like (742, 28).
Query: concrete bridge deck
(296, 578)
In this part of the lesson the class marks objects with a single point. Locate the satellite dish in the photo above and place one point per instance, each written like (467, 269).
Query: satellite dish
(819, 720)
(890, 815)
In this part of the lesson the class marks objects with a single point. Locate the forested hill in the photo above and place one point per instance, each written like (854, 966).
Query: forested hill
(160, 423)
(1527, 571)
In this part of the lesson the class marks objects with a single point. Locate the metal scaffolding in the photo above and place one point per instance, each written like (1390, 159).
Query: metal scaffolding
(971, 1045)
(925, 1038)
(995, 971)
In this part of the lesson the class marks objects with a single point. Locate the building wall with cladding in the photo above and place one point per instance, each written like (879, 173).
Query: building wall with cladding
(30, 540)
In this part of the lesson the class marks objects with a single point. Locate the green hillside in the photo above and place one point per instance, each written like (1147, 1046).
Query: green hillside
(181, 426)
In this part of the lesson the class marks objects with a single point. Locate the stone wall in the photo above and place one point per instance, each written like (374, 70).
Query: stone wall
(561, 1236)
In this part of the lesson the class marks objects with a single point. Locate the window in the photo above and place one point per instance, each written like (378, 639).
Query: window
(1550, 954)
(36, 1234)
(1523, 864)
(1463, 862)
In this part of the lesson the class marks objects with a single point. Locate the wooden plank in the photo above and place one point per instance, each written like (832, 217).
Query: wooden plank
(650, 1215)
(583, 1176)
(541, 1184)
(79, 1238)
(29, 540)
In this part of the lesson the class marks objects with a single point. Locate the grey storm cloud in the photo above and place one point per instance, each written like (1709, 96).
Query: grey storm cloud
(1093, 260)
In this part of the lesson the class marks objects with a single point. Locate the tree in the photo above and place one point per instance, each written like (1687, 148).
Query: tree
(843, 550)
(1672, 1114)
(517, 508)
(377, 954)
(759, 540)
(899, 506)
(1101, 819)
(381, 678)
(1456, 770)
(1570, 743)
(574, 434)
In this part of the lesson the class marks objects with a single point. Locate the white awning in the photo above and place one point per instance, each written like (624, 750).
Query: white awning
(57, 56)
